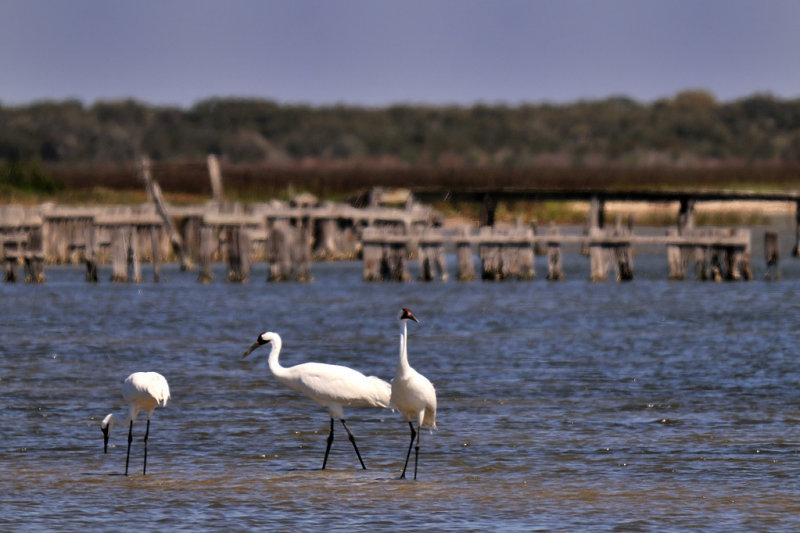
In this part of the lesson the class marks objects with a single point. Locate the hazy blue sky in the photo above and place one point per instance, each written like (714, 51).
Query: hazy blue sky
(373, 52)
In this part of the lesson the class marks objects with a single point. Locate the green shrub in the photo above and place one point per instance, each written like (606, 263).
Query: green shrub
(28, 175)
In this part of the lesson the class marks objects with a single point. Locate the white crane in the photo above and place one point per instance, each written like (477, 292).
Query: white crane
(331, 386)
(140, 390)
(412, 394)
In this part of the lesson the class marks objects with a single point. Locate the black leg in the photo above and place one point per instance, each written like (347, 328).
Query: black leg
(416, 452)
(330, 441)
(408, 454)
(130, 439)
(146, 434)
(353, 440)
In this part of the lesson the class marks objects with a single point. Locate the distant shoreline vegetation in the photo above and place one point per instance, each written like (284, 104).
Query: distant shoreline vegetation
(690, 139)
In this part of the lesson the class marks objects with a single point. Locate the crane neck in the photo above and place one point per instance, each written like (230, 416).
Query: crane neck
(274, 365)
(402, 361)
(112, 420)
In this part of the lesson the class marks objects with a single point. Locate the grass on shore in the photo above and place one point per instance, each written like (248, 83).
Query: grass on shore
(506, 213)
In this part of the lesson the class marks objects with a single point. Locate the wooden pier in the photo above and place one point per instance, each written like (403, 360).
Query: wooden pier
(286, 235)
(290, 236)
(506, 253)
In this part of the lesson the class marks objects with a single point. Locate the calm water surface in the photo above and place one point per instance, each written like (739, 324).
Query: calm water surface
(562, 406)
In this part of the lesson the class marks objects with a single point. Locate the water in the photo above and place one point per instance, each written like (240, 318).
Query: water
(562, 406)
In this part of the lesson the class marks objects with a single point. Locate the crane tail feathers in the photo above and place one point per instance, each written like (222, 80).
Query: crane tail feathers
(383, 391)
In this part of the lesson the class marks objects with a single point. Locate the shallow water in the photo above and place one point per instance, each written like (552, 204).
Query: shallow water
(650, 405)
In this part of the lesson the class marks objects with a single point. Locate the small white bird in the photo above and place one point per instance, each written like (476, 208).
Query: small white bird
(332, 386)
(140, 390)
(412, 394)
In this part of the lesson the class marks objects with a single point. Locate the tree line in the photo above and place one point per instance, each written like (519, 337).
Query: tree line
(690, 130)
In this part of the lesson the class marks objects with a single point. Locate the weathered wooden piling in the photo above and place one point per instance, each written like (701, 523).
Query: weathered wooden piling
(12, 249)
(394, 262)
(432, 261)
(595, 220)
(279, 251)
(215, 176)
(623, 251)
(237, 253)
(506, 253)
(90, 253)
(555, 267)
(718, 254)
(372, 253)
(491, 261)
(301, 251)
(154, 192)
(156, 259)
(772, 255)
(599, 256)
(385, 253)
(124, 256)
(34, 256)
(208, 246)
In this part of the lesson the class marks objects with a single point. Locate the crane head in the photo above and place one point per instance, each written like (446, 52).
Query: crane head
(406, 314)
(105, 427)
(262, 339)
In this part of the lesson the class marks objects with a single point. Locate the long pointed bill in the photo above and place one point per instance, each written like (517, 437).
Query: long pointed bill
(250, 349)
(407, 314)
(105, 439)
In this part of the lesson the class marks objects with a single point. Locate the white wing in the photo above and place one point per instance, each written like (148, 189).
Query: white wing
(338, 384)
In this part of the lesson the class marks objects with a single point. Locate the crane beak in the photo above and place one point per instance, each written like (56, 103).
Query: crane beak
(105, 439)
(251, 348)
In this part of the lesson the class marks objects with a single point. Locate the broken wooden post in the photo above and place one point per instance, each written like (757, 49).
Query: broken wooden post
(706, 263)
(555, 267)
(526, 257)
(491, 263)
(679, 256)
(12, 251)
(134, 257)
(599, 255)
(301, 252)
(738, 256)
(34, 256)
(623, 253)
(237, 248)
(466, 264)
(154, 242)
(771, 255)
(325, 238)
(155, 192)
(279, 251)
(397, 260)
(119, 255)
(372, 253)
(206, 254)
(432, 262)
(595, 220)
(215, 175)
(90, 252)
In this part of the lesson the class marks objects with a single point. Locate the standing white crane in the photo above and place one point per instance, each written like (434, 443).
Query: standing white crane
(140, 390)
(412, 394)
(331, 386)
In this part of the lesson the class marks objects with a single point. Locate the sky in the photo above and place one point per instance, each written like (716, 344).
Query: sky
(378, 53)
